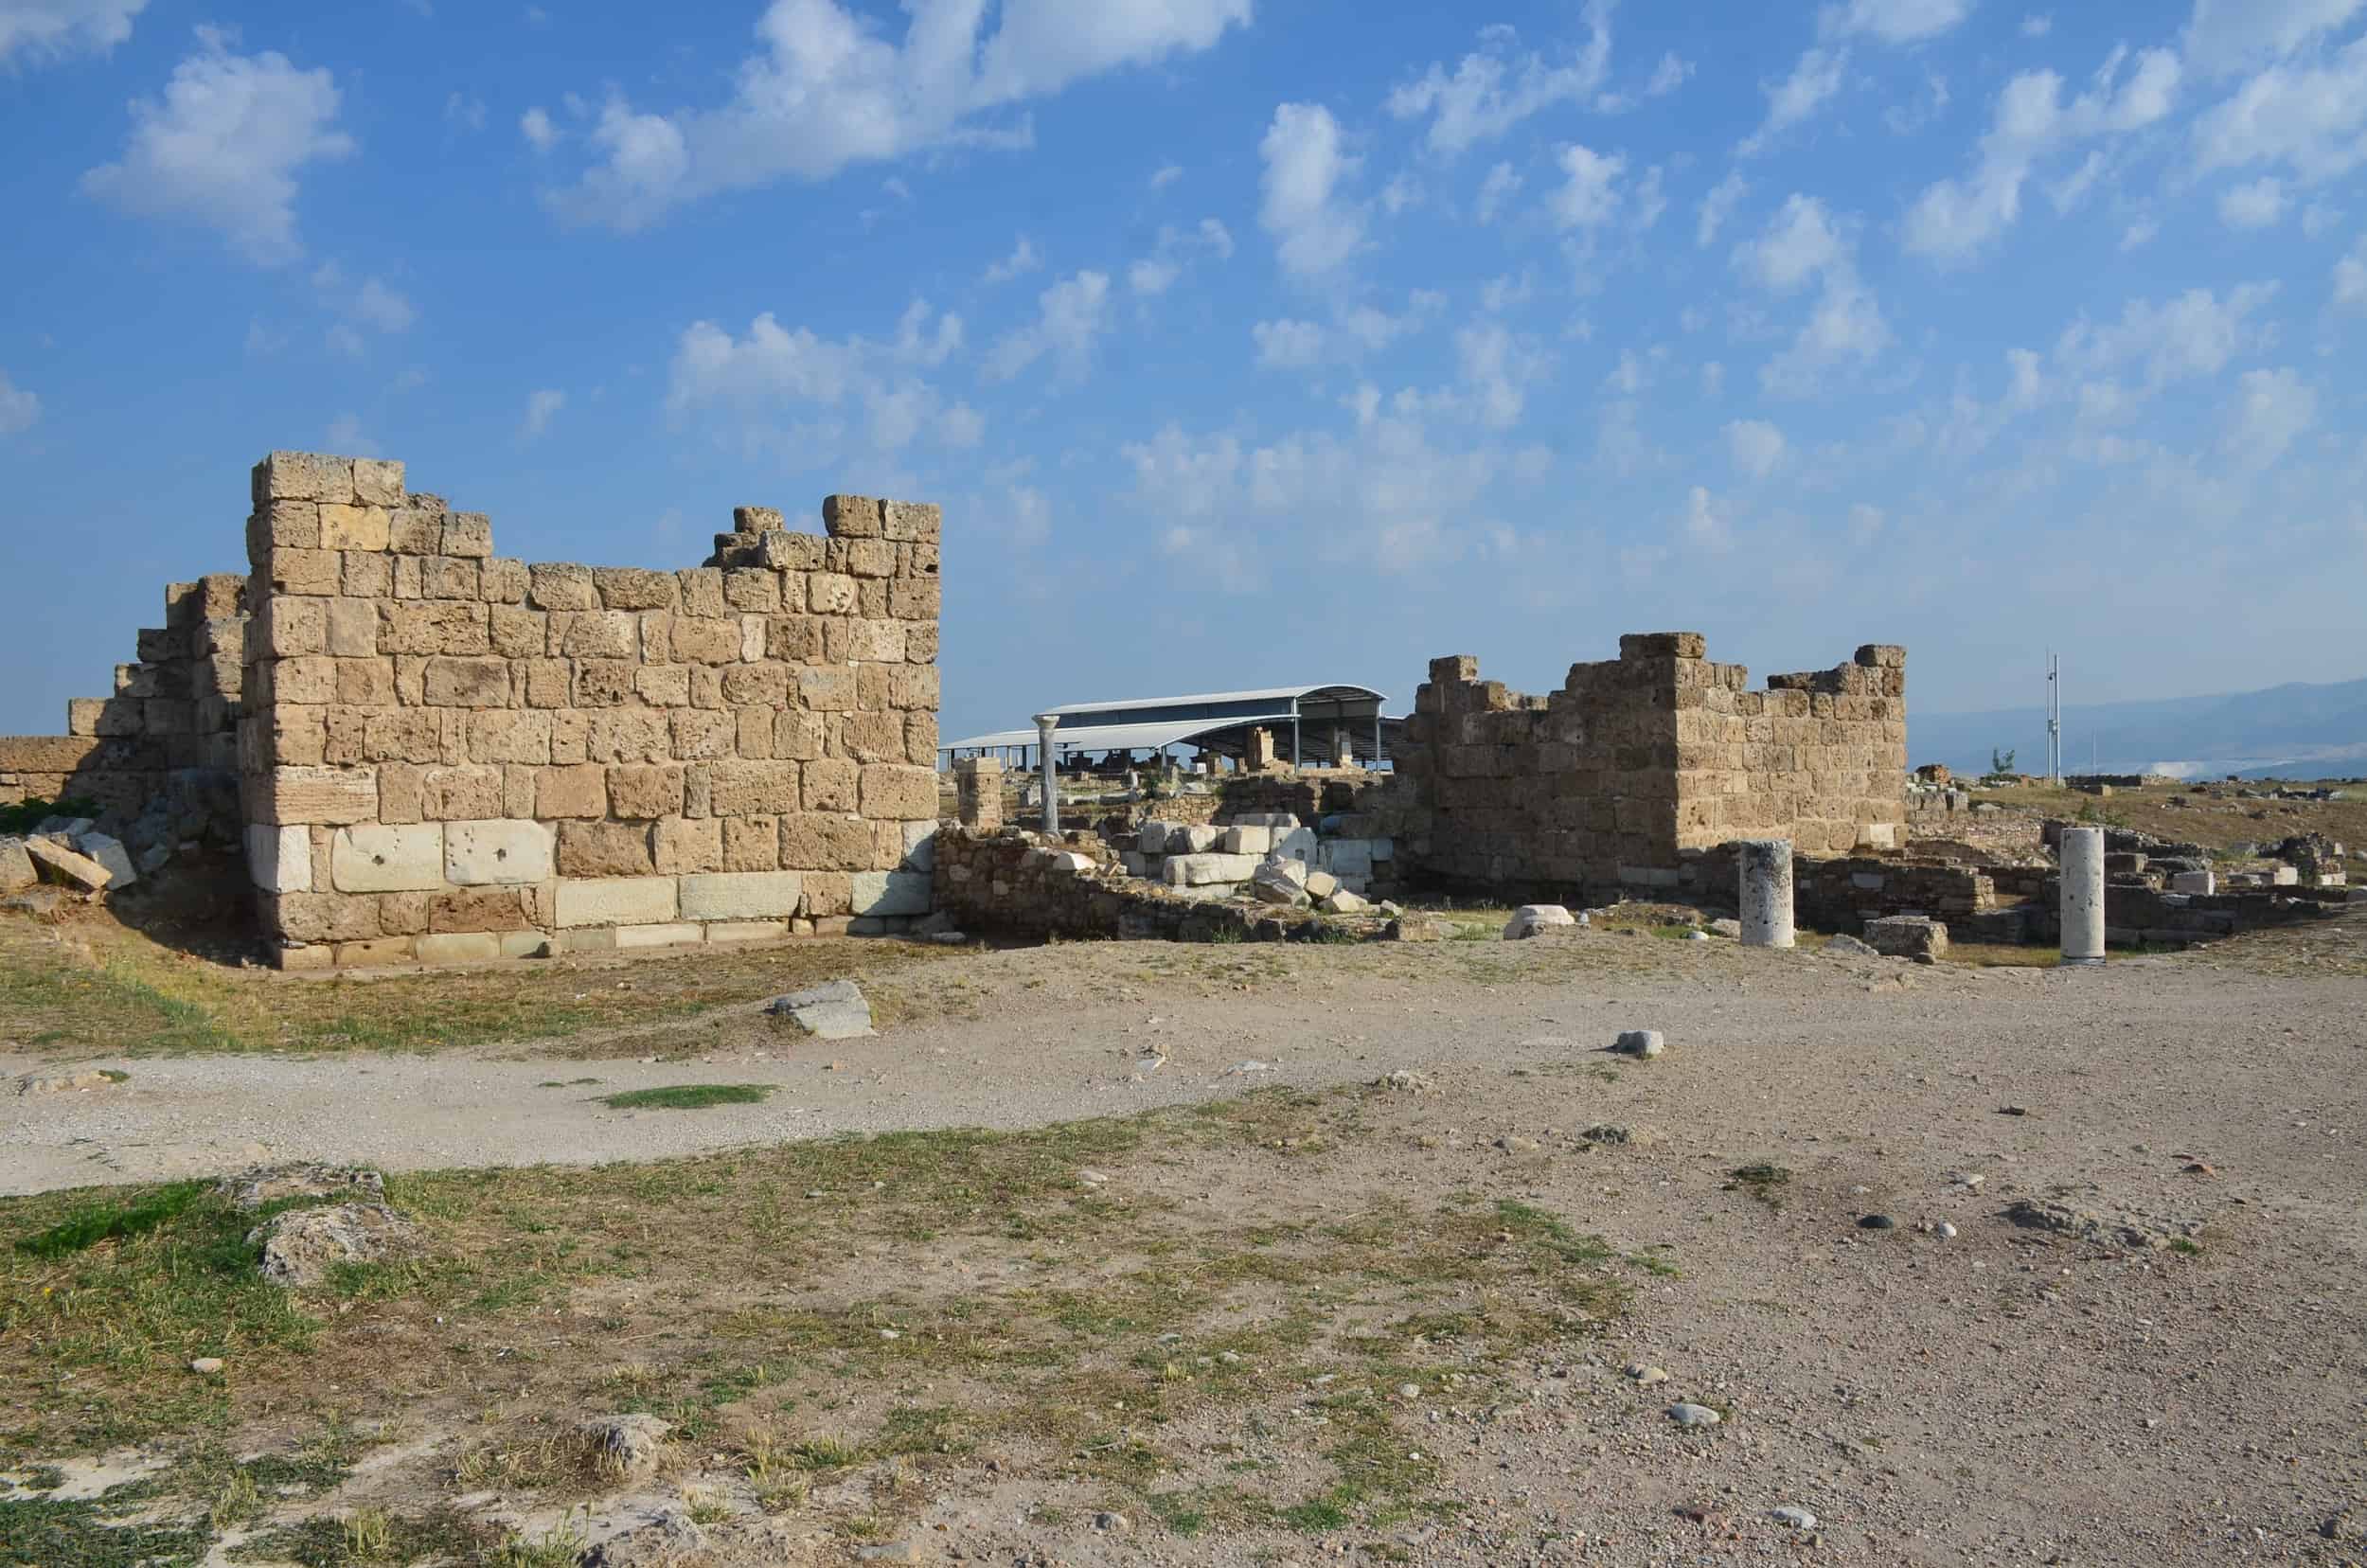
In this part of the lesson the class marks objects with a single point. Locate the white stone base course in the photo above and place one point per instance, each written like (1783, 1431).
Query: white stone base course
(618, 902)
(742, 896)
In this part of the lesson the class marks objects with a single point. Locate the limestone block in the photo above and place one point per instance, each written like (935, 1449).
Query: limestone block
(618, 902)
(754, 789)
(917, 520)
(450, 577)
(2194, 882)
(353, 527)
(279, 860)
(468, 793)
(446, 627)
(458, 947)
(562, 586)
(524, 944)
(1907, 936)
(645, 791)
(899, 793)
(635, 588)
(1346, 857)
(831, 784)
(376, 950)
(747, 930)
(468, 536)
(683, 845)
(288, 523)
(600, 634)
(313, 794)
(659, 936)
(821, 841)
(16, 866)
(377, 481)
(1200, 869)
(303, 477)
(1151, 837)
(832, 594)
(604, 849)
(703, 736)
(884, 892)
(743, 896)
(502, 852)
(1297, 843)
(464, 909)
(1243, 839)
(914, 686)
(370, 858)
(1194, 839)
(753, 592)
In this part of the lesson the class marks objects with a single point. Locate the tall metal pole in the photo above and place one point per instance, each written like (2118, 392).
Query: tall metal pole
(2055, 719)
(1046, 725)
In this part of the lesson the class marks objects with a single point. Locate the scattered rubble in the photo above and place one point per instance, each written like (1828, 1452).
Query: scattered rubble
(254, 1188)
(2121, 1229)
(302, 1245)
(836, 1009)
(1529, 920)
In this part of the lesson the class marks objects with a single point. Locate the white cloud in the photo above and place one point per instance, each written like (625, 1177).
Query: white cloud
(1497, 367)
(1718, 205)
(2319, 220)
(541, 407)
(1755, 446)
(344, 435)
(382, 308)
(1165, 175)
(1814, 79)
(2257, 205)
(1314, 229)
(1800, 243)
(1705, 521)
(827, 91)
(40, 31)
(464, 112)
(1156, 273)
(1953, 219)
(223, 146)
(1500, 187)
(2350, 278)
(2195, 334)
(2274, 408)
(1590, 197)
(540, 132)
(1070, 315)
(1024, 259)
(1287, 345)
(2308, 115)
(2227, 36)
(1803, 243)
(1893, 21)
(2037, 25)
(19, 407)
(773, 369)
(1489, 91)
(1670, 75)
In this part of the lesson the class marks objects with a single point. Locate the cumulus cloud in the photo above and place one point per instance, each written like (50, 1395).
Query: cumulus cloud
(1589, 196)
(2259, 204)
(2350, 278)
(1287, 345)
(2309, 114)
(815, 382)
(223, 147)
(1955, 218)
(1492, 90)
(825, 90)
(1893, 21)
(2193, 335)
(2226, 36)
(1500, 187)
(38, 31)
(1071, 314)
(541, 131)
(1814, 79)
(1717, 206)
(1803, 245)
(1175, 252)
(1314, 226)
(1022, 259)
(542, 408)
(19, 407)
(2274, 409)
(1755, 446)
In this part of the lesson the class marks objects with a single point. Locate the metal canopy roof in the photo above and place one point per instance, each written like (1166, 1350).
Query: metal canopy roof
(1099, 737)
(1204, 699)
(1148, 723)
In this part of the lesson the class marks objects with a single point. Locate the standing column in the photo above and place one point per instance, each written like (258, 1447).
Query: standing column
(1046, 725)
(1766, 891)
(2083, 895)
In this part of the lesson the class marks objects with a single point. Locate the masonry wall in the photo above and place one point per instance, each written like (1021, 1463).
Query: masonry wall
(449, 754)
(1635, 760)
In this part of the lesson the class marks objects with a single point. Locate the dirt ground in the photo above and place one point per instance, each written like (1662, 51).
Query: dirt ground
(1202, 1286)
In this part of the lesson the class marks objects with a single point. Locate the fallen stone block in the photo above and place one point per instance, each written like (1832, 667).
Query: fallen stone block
(69, 1083)
(301, 1247)
(261, 1185)
(67, 867)
(1341, 901)
(1200, 869)
(1638, 1042)
(16, 866)
(1850, 947)
(110, 853)
(1321, 884)
(1279, 881)
(1243, 839)
(833, 1011)
(1416, 928)
(1907, 937)
(1194, 839)
(2205, 883)
(1529, 920)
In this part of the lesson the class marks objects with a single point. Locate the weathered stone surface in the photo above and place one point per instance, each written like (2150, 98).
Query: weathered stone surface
(500, 851)
(16, 867)
(884, 893)
(329, 797)
(66, 867)
(742, 896)
(1279, 881)
(618, 902)
(1529, 920)
(605, 849)
(110, 853)
(300, 1247)
(1907, 937)
(1203, 870)
(257, 1185)
(457, 947)
(379, 859)
(834, 1010)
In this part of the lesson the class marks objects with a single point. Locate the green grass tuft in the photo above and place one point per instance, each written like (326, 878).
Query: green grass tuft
(97, 1222)
(688, 1096)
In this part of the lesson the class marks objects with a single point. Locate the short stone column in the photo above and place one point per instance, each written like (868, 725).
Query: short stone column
(1766, 891)
(2083, 895)
(978, 791)
(1046, 725)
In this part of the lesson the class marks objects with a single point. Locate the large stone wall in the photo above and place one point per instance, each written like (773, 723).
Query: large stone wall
(1635, 760)
(449, 755)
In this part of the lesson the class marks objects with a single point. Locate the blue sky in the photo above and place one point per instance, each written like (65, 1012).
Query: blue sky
(1243, 342)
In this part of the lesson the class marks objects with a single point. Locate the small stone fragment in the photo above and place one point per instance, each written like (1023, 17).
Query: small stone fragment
(206, 1366)
(1640, 1043)
(1798, 1518)
(1694, 1416)
(834, 1010)
(1647, 1374)
(1529, 920)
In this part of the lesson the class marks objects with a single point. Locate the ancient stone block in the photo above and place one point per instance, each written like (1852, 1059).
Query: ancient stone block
(754, 789)
(618, 902)
(434, 627)
(290, 795)
(826, 689)
(605, 849)
(499, 852)
(683, 845)
(450, 577)
(467, 683)
(469, 535)
(353, 527)
(458, 947)
(832, 594)
(303, 477)
(825, 841)
(562, 586)
(703, 736)
(877, 893)
(917, 521)
(751, 843)
(598, 634)
(279, 860)
(708, 642)
(634, 588)
(742, 896)
(895, 792)
(377, 859)
(320, 916)
(752, 591)
(580, 791)
(644, 792)
(663, 685)
(604, 683)
(460, 794)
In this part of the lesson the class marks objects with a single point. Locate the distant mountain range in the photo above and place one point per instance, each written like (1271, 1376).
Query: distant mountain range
(2291, 731)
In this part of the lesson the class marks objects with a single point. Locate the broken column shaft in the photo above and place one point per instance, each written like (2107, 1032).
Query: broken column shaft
(2083, 895)
(1766, 891)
